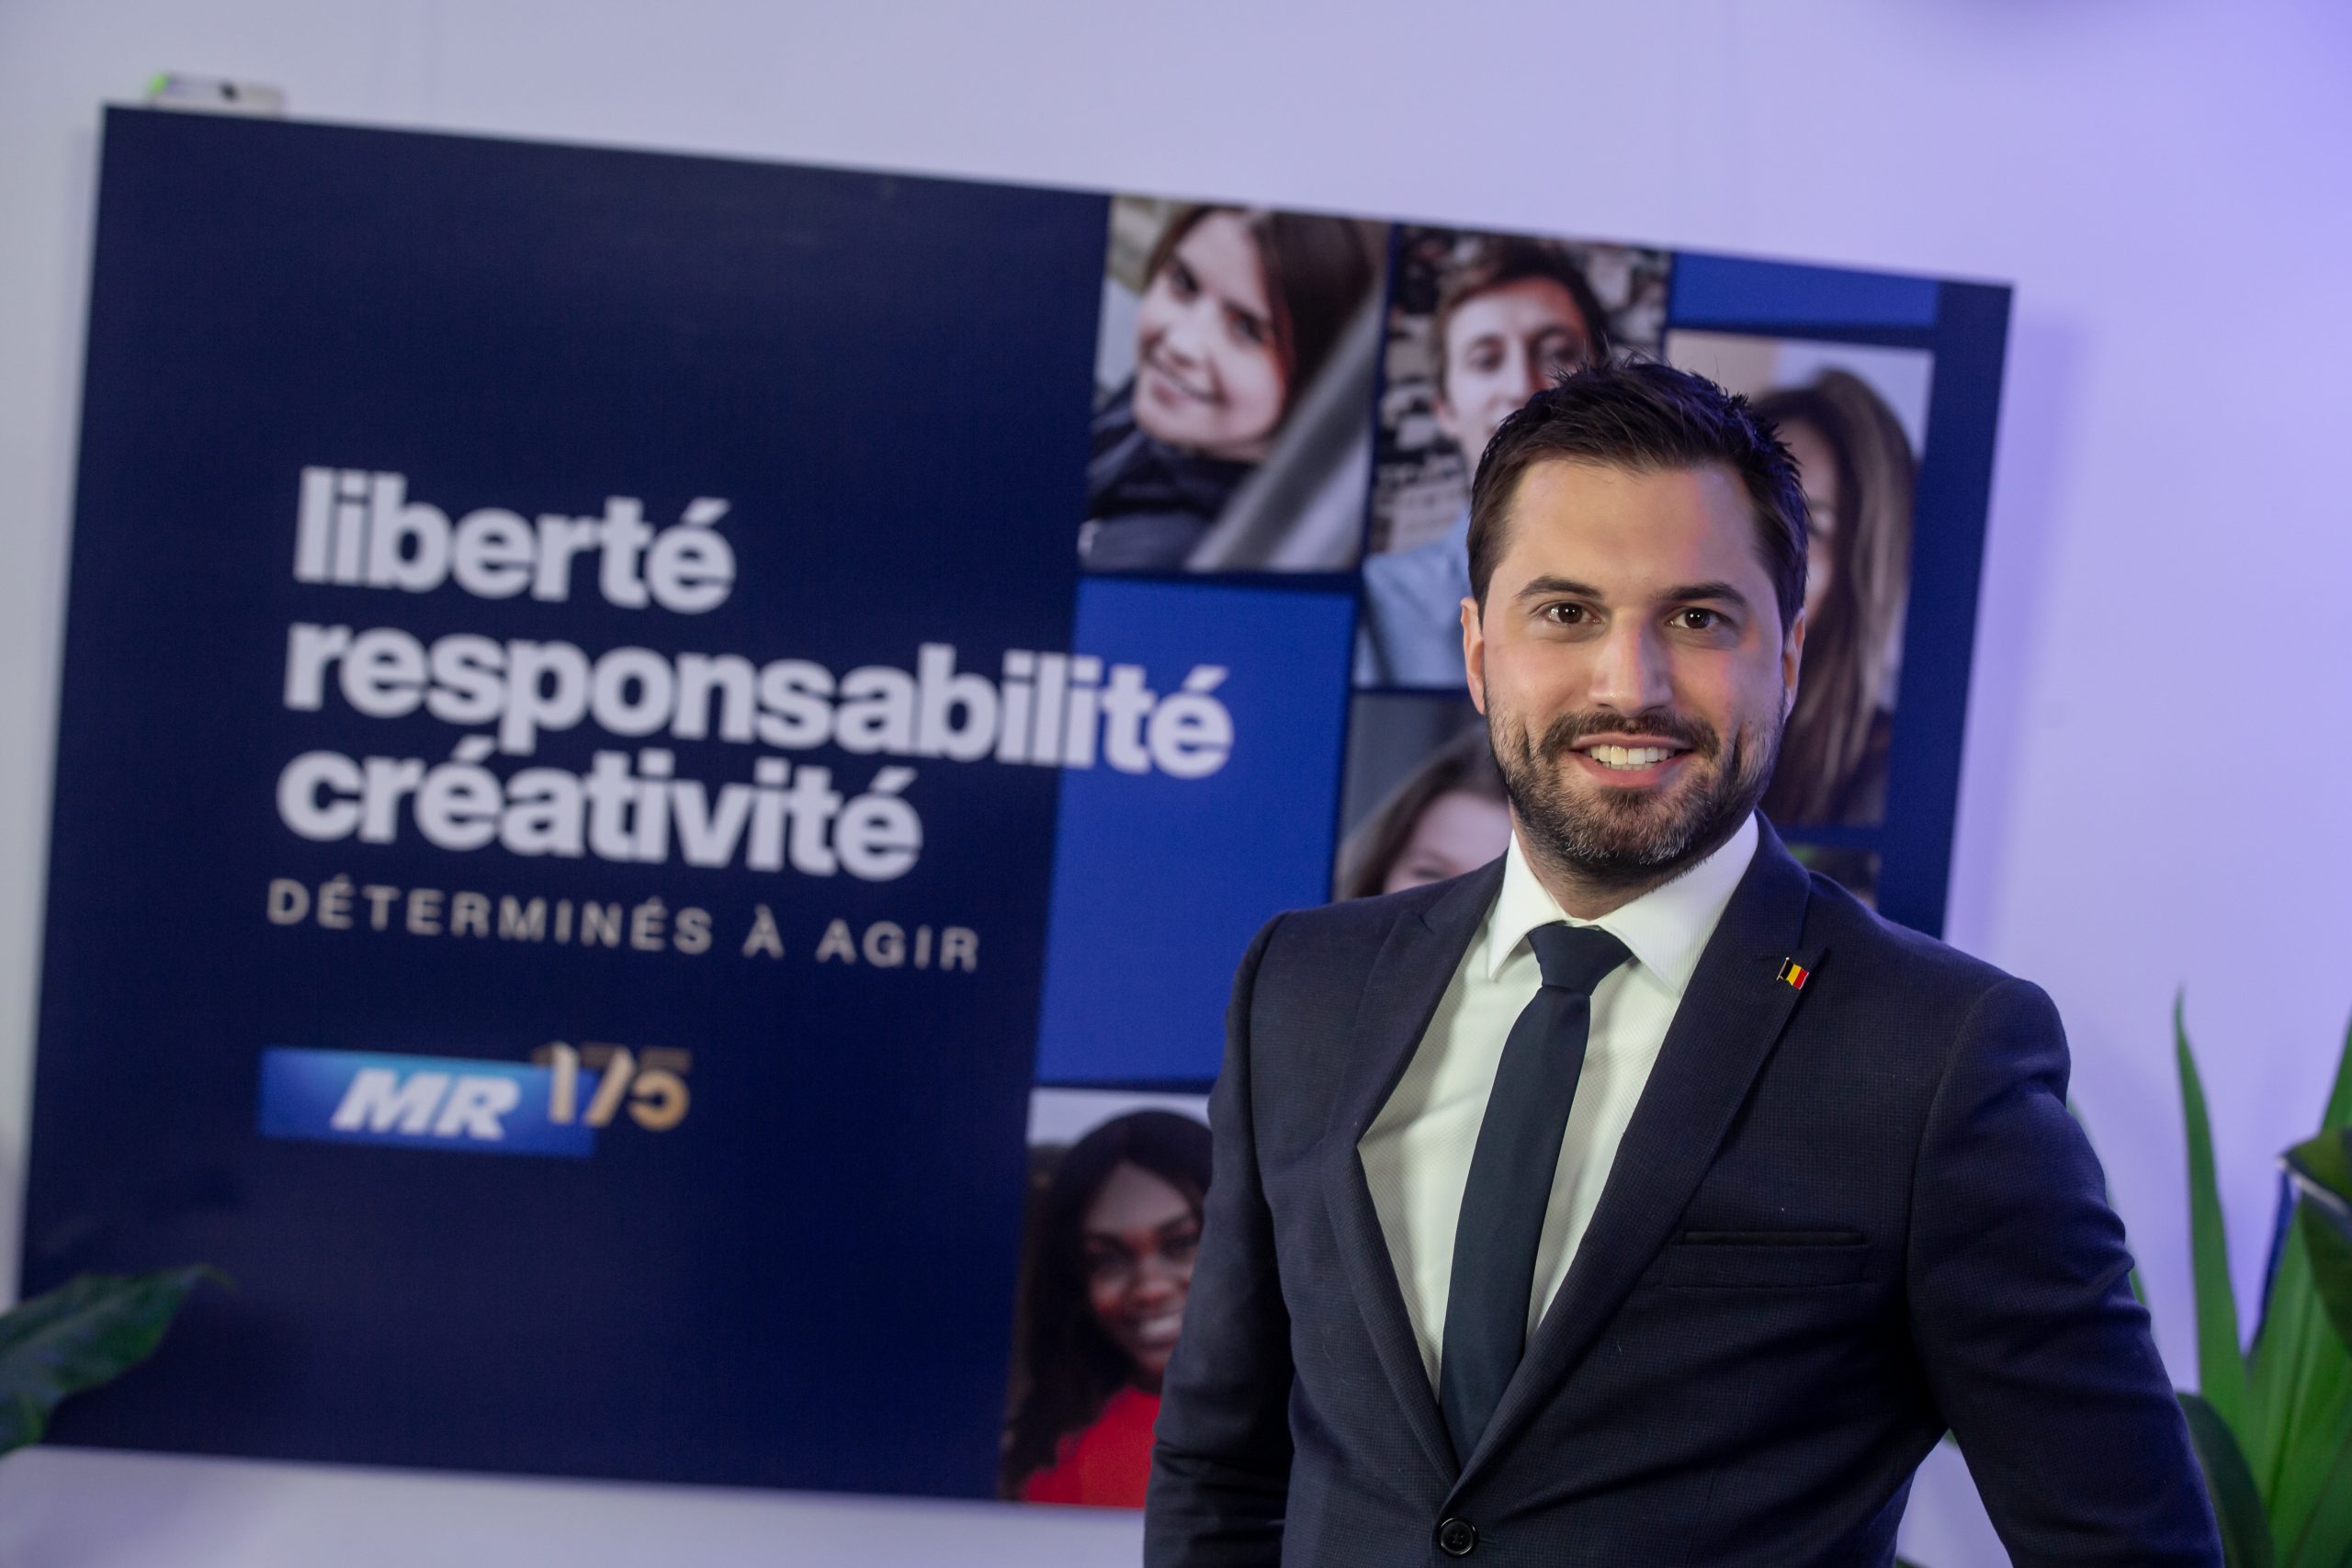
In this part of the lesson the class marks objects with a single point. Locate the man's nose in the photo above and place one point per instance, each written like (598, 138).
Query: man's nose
(1629, 675)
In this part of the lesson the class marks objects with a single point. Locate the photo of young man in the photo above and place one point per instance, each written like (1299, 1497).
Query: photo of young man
(1510, 313)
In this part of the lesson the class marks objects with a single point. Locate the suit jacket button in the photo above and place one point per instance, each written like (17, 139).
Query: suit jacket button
(1458, 1537)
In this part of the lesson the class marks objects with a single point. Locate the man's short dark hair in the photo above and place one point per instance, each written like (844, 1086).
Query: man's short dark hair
(1648, 417)
(1505, 259)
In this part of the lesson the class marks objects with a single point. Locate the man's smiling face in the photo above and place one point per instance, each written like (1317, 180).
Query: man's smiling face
(1631, 665)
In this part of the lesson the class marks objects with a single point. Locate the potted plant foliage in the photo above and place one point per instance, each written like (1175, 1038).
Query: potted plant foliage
(2272, 1424)
(88, 1331)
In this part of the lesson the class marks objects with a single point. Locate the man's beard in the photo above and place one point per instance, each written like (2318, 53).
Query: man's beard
(1615, 839)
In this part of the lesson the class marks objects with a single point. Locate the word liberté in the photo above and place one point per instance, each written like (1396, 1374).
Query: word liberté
(356, 529)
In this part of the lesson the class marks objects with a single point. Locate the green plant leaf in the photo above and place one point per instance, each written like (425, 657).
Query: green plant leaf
(87, 1332)
(2237, 1504)
(2302, 1383)
(2302, 1389)
(2220, 1356)
(2339, 1095)
(2318, 1493)
(2310, 1498)
(21, 1423)
(2322, 1169)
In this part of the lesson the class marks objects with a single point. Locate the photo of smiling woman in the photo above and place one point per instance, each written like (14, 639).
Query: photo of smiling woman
(1859, 478)
(1111, 1263)
(1448, 816)
(1854, 417)
(1234, 384)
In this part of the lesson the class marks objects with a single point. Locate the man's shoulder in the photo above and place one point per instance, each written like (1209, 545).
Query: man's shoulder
(1350, 933)
(1356, 921)
(1893, 966)
(1872, 957)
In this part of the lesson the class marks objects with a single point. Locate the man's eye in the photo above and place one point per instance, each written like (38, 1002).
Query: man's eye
(1697, 620)
(1566, 614)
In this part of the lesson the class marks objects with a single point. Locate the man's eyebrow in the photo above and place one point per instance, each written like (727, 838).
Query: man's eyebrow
(1691, 593)
(1684, 593)
(1537, 587)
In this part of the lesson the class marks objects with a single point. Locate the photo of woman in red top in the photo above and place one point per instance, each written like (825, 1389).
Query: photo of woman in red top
(1117, 1230)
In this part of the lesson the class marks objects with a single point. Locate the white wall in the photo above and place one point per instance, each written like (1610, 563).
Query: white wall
(2161, 722)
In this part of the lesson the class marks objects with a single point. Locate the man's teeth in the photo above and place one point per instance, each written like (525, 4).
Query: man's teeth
(1628, 756)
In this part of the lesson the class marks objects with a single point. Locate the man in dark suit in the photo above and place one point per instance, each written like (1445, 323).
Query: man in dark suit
(1641, 1199)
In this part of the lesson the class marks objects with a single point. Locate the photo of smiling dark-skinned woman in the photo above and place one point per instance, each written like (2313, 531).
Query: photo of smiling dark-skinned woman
(1234, 383)
(1112, 1232)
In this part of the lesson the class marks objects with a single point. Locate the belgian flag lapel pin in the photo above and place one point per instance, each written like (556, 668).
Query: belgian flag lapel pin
(1794, 973)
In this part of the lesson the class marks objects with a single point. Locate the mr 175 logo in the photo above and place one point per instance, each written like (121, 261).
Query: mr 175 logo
(653, 1085)
(552, 1105)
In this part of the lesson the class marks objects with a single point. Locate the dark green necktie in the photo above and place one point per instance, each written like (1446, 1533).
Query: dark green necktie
(1493, 1283)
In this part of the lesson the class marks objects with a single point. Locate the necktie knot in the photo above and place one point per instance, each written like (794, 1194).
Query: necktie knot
(1575, 958)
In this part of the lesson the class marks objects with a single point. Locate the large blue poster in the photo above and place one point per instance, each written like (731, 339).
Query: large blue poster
(664, 762)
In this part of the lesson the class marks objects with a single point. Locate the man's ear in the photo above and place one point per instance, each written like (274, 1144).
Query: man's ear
(1474, 653)
(1792, 659)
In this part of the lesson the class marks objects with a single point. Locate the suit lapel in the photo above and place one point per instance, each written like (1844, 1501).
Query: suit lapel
(1425, 946)
(1729, 1020)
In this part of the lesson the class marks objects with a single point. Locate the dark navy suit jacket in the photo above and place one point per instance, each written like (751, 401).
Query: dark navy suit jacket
(1844, 1217)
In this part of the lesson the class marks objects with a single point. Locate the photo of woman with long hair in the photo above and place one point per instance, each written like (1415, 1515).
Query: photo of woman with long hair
(1111, 1266)
(1240, 309)
(1447, 817)
(1858, 473)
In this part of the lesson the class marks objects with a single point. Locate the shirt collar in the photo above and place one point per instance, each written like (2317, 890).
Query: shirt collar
(1665, 928)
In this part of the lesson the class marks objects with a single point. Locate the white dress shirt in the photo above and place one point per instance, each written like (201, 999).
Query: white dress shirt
(1417, 1153)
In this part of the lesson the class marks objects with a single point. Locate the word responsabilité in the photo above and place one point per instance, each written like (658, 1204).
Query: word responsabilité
(360, 529)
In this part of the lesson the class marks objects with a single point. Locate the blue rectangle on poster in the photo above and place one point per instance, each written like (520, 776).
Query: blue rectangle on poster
(1737, 291)
(442, 1103)
(298, 802)
(1159, 882)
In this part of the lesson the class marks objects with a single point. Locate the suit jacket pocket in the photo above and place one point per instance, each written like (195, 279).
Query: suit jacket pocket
(1763, 1260)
